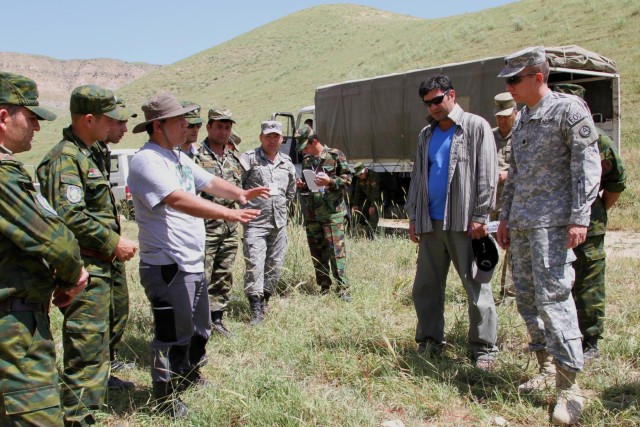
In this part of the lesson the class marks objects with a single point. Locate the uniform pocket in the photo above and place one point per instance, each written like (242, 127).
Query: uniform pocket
(33, 399)
(559, 276)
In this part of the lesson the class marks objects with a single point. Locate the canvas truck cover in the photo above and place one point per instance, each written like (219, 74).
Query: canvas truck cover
(378, 119)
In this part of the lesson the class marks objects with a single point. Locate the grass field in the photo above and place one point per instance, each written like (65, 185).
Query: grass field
(317, 361)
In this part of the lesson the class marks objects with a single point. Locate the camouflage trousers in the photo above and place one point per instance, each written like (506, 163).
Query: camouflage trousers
(85, 341)
(264, 250)
(219, 256)
(589, 288)
(543, 277)
(29, 393)
(181, 320)
(369, 222)
(119, 308)
(328, 252)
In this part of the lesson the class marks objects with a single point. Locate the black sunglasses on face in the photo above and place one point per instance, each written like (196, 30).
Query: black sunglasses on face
(437, 100)
(191, 126)
(514, 80)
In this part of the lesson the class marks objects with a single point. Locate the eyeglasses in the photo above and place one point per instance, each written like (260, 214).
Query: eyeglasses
(194, 125)
(435, 100)
(514, 80)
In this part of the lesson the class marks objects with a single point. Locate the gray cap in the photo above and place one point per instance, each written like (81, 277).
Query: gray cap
(503, 104)
(271, 126)
(517, 62)
(162, 106)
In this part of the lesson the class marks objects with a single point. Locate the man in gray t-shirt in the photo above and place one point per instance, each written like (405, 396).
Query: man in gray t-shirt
(163, 182)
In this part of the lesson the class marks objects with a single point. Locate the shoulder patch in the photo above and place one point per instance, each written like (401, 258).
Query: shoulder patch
(94, 173)
(74, 194)
(44, 205)
(584, 131)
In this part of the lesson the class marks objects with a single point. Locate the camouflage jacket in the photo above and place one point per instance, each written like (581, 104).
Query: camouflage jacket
(328, 205)
(367, 191)
(613, 180)
(226, 167)
(73, 182)
(33, 239)
(503, 145)
(555, 168)
(279, 176)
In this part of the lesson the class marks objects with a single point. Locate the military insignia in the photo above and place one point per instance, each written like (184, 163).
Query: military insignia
(94, 173)
(74, 193)
(584, 131)
(44, 205)
(575, 118)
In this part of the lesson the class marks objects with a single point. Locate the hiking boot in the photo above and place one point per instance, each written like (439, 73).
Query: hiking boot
(590, 349)
(430, 348)
(255, 305)
(545, 377)
(117, 365)
(116, 383)
(192, 379)
(487, 364)
(217, 325)
(166, 402)
(570, 401)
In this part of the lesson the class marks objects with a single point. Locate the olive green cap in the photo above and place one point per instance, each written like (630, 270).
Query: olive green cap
(19, 90)
(92, 99)
(193, 117)
(302, 135)
(220, 114)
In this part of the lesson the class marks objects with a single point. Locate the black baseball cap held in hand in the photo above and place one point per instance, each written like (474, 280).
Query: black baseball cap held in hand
(485, 259)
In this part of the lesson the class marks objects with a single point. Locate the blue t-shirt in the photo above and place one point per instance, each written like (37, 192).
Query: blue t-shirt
(439, 153)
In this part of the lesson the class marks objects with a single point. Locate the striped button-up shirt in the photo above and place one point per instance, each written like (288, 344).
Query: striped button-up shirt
(472, 179)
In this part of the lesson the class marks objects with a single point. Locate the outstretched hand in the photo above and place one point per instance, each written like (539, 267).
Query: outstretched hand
(252, 193)
(243, 215)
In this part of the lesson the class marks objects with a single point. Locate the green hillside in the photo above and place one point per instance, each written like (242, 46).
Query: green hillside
(278, 66)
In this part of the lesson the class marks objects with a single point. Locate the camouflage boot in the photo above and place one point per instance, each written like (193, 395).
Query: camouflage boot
(570, 401)
(545, 377)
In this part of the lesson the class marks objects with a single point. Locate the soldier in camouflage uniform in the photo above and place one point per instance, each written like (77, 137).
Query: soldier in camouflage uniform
(194, 123)
(34, 242)
(265, 238)
(234, 141)
(366, 198)
(74, 184)
(222, 236)
(589, 287)
(119, 308)
(552, 182)
(324, 211)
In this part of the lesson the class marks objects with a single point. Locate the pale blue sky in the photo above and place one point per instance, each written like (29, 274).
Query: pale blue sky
(162, 32)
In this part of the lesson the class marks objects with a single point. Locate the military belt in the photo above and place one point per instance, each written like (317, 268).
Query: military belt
(95, 254)
(12, 304)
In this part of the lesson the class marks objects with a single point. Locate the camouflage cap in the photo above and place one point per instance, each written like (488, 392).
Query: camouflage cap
(19, 90)
(220, 114)
(92, 99)
(235, 139)
(271, 126)
(359, 168)
(571, 89)
(159, 107)
(504, 104)
(124, 112)
(302, 135)
(193, 117)
(518, 61)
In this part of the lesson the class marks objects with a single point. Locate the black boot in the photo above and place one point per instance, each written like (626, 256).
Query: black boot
(265, 303)
(168, 403)
(255, 305)
(216, 324)
(590, 348)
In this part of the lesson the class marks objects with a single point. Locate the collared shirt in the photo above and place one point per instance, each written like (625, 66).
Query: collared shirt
(279, 175)
(473, 175)
(555, 166)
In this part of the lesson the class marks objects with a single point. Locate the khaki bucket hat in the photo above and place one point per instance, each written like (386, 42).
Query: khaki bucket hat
(162, 106)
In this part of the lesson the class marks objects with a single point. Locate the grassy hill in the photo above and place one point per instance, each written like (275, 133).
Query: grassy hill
(279, 65)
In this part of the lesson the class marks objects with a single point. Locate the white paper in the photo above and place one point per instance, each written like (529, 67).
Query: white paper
(310, 179)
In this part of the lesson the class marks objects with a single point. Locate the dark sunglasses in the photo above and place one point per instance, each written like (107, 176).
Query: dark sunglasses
(436, 100)
(514, 80)
(192, 125)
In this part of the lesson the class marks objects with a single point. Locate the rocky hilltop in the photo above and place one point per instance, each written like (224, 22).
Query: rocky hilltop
(56, 78)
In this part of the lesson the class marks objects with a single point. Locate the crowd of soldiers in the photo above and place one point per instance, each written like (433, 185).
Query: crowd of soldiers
(64, 244)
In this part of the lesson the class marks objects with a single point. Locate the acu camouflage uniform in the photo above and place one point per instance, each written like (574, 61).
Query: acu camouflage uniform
(324, 214)
(367, 195)
(119, 308)
(553, 180)
(221, 244)
(589, 287)
(33, 242)
(73, 182)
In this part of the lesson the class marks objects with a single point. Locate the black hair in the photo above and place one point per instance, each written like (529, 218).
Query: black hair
(439, 81)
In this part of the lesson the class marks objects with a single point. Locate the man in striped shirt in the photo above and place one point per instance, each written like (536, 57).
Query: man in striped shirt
(451, 195)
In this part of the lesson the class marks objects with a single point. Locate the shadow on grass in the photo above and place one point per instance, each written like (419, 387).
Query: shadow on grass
(622, 397)
(125, 404)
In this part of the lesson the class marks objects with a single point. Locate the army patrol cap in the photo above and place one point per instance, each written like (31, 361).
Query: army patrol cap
(22, 91)
(358, 168)
(518, 61)
(128, 113)
(302, 135)
(485, 258)
(503, 104)
(193, 117)
(92, 99)
(160, 107)
(271, 126)
(220, 114)
(571, 89)
(235, 139)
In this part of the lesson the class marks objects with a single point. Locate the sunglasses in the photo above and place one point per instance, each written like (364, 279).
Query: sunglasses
(436, 100)
(191, 125)
(514, 80)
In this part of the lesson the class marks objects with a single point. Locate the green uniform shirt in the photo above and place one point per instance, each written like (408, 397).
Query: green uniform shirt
(33, 239)
(327, 205)
(74, 183)
(367, 192)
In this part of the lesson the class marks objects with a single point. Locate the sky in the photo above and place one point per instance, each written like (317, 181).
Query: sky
(162, 32)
